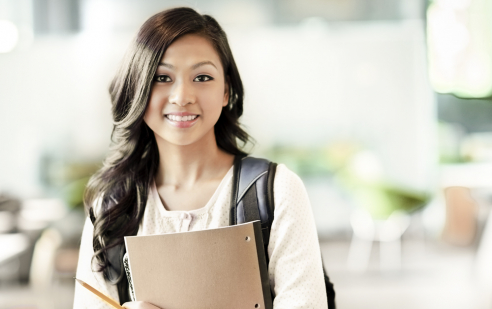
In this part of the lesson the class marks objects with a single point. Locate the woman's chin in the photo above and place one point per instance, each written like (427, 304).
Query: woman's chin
(180, 141)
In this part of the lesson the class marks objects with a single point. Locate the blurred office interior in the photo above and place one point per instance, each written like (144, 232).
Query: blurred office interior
(383, 107)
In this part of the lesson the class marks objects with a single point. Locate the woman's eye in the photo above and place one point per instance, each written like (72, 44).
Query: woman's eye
(202, 78)
(162, 78)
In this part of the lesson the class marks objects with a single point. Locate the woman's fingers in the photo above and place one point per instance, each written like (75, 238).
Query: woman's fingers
(139, 305)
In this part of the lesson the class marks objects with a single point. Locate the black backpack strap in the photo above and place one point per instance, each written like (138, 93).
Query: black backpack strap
(250, 202)
(253, 199)
(330, 291)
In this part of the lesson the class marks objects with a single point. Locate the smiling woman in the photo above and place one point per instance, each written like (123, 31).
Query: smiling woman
(189, 92)
(177, 99)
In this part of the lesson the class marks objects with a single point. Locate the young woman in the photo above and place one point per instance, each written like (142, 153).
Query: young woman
(176, 103)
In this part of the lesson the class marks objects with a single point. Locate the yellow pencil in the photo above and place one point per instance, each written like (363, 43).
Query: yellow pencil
(107, 299)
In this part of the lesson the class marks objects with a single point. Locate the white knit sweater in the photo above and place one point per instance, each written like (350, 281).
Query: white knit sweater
(295, 269)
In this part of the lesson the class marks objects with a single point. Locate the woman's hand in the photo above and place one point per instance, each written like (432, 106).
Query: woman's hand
(139, 305)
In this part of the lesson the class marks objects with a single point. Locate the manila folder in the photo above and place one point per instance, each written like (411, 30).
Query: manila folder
(219, 268)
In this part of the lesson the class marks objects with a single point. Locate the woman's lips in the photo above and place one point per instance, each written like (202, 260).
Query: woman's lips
(182, 120)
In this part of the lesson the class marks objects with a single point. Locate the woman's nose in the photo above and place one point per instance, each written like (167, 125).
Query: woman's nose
(182, 94)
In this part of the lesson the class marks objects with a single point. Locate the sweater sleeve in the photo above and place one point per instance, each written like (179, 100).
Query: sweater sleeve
(295, 268)
(84, 299)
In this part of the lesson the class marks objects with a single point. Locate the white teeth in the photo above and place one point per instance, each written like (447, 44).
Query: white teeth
(181, 118)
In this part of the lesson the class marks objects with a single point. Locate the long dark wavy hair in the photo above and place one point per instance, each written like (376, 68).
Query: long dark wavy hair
(116, 195)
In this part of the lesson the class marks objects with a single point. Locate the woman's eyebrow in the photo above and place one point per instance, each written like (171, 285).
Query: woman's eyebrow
(195, 66)
(199, 64)
(163, 64)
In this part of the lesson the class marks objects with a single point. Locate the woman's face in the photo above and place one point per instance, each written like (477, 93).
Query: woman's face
(188, 93)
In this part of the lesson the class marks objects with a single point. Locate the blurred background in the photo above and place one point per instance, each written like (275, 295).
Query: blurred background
(383, 107)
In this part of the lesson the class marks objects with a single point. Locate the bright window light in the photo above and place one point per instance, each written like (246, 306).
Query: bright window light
(460, 47)
(9, 35)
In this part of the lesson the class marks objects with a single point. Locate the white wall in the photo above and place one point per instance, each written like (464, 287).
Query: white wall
(313, 85)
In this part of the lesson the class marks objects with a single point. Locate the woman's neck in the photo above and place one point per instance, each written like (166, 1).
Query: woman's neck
(184, 166)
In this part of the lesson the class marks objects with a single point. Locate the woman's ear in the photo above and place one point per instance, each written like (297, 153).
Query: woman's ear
(226, 93)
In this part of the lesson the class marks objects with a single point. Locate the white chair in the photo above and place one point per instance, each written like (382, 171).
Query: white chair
(367, 230)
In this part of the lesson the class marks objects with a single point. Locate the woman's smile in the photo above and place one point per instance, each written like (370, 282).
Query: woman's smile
(181, 120)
